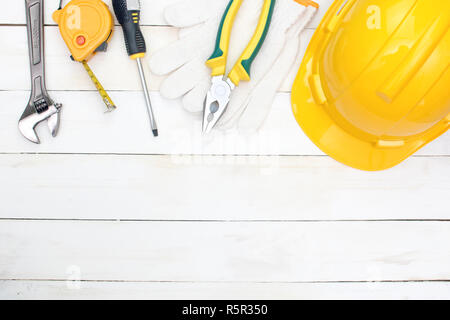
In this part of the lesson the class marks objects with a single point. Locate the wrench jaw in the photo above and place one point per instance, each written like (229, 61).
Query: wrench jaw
(29, 122)
(54, 120)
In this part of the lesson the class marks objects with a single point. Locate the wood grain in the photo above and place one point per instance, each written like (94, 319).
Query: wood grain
(225, 251)
(114, 69)
(26, 289)
(85, 128)
(235, 216)
(218, 188)
(152, 11)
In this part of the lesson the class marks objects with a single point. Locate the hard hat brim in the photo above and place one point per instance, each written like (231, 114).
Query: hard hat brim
(342, 146)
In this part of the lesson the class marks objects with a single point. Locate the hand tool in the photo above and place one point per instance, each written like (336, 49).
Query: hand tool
(128, 13)
(187, 77)
(251, 104)
(86, 27)
(218, 96)
(182, 62)
(40, 107)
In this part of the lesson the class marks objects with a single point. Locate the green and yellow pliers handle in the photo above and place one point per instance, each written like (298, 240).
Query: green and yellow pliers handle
(241, 70)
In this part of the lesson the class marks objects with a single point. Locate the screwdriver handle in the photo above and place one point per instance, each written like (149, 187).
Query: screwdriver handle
(128, 13)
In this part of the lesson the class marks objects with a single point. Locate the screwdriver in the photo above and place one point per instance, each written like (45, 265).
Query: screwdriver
(128, 13)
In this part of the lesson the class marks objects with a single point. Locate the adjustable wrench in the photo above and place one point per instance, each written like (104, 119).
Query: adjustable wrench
(40, 107)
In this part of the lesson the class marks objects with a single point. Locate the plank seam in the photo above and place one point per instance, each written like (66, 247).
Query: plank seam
(188, 154)
(236, 282)
(115, 25)
(30, 219)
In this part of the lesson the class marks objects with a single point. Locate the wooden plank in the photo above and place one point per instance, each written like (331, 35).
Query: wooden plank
(86, 129)
(152, 11)
(214, 259)
(224, 252)
(25, 289)
(114, 69)
(218, 188)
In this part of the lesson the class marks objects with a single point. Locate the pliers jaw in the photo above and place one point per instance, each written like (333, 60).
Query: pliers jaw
(216, 102)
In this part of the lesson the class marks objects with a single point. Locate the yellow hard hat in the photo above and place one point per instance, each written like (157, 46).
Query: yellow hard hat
(374, 86)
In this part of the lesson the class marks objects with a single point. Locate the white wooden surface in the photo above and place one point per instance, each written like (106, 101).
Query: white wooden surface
(105, 211)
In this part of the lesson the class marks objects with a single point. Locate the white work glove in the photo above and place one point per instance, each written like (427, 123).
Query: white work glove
(189, 77)
(184, 61)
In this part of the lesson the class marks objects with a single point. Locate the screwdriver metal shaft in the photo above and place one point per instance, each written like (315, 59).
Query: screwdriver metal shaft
(128, 13)
(147, 98)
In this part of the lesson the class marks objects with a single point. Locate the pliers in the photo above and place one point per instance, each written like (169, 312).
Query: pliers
(219, 94)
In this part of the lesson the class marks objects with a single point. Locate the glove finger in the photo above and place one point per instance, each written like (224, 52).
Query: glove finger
(178, 53)
(184, 79)
(194, 100)
(275, 62)
(170, 58)
(262, 96)
(185, 32)
(286, 15)
(305, 38)
(236, 106)
(187, 13)
(304, 21)
(299, 31)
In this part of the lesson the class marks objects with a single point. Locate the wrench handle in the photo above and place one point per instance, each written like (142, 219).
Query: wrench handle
(35, 30)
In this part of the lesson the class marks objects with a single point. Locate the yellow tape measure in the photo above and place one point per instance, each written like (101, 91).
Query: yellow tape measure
(86, 27)
(106, 98)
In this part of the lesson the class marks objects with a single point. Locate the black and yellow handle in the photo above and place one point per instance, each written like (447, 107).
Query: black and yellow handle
(128, 13)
